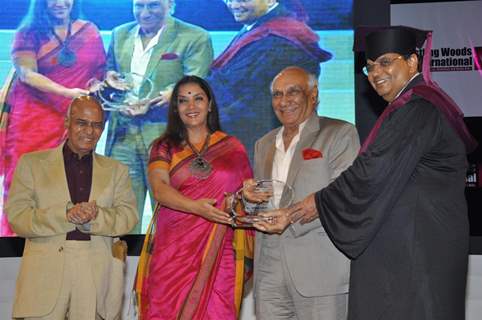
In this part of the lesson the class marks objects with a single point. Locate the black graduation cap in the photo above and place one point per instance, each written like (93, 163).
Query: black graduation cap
(376, 41)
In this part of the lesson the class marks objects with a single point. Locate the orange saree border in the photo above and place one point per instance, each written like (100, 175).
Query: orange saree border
(183, 155)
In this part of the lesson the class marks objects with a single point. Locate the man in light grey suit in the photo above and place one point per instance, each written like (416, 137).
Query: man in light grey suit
(299, 274)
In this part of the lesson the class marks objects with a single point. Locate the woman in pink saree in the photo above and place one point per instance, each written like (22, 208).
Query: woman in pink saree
(192, 265)
(55, 55)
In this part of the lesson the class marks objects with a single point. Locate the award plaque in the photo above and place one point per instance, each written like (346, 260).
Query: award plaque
(124, 91)
(277, 195)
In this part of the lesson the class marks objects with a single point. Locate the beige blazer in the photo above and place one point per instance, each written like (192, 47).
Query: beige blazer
(36, 210)
(316, 267)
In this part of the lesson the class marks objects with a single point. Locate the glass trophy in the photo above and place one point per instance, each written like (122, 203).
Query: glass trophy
(277, 195)
(124, 90)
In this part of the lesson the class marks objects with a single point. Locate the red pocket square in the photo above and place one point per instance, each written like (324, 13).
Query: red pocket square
(311, 154)
(169, 56)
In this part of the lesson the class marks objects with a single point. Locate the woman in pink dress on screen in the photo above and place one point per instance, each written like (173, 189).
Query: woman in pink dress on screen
(192, 265)
(55, 54)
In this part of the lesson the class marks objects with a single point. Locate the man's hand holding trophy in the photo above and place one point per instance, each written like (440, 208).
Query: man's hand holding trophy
(259, 199)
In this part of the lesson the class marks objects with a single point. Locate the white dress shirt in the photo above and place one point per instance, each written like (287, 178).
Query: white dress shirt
(141, 55)
(282, 159)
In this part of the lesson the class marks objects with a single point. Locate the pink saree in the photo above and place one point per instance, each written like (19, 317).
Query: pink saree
(196, 267)
(36, 119)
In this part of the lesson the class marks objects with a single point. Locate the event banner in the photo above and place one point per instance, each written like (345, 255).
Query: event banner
(457, 46)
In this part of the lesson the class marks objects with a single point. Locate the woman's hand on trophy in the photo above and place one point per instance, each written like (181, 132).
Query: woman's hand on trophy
(252, 193)
(206, 208)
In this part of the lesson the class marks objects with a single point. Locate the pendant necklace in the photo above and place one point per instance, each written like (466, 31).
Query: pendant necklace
(200, 167)
(66, 56)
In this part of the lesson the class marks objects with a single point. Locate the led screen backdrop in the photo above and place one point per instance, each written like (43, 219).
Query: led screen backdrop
(331, 20)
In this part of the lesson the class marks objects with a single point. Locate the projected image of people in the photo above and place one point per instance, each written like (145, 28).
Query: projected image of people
(55, 54)
(161, 48)
(274, 36)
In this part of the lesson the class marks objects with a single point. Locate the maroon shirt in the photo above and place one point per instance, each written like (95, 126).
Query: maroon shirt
(79, 179)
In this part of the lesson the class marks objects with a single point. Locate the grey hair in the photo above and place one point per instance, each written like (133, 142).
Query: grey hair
(312, 81)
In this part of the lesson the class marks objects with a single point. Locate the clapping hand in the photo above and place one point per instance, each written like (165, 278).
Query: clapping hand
(82, 212)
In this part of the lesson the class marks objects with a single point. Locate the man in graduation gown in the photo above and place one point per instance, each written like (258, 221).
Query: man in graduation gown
(274, 37)
(399, 211)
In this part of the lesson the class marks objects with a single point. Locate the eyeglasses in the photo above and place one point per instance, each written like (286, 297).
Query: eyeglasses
(383, 63)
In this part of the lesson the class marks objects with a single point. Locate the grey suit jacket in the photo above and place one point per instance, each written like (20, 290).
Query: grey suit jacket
(316, 267)
(36, 210)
